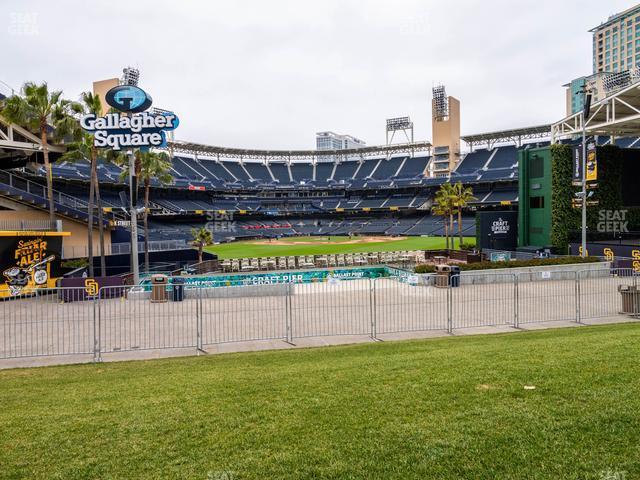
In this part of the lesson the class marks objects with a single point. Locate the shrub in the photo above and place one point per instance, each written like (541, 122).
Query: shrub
(467, 246)
(534, 262)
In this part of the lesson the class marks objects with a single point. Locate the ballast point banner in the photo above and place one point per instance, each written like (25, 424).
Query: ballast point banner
(137, 129)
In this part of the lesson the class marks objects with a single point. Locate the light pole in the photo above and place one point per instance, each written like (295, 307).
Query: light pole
(584, 185)
(586, 107)
(134, 217)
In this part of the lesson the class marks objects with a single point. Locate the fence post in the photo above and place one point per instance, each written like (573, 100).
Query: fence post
(97, 353)
(516, 320)
(199, 344)
(288, 315)
(577, 293)
(449, 307)
(372, 307)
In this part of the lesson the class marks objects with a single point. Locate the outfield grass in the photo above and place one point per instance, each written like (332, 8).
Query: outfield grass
(441, 408)
(249, 248)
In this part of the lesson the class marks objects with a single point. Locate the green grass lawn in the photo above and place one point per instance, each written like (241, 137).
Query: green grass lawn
(244, 249)
(440, 408)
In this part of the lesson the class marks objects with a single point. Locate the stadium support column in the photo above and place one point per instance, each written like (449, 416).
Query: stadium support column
(134, 217)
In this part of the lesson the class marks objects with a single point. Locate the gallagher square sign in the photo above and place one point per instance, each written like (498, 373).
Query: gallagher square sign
(138, 129)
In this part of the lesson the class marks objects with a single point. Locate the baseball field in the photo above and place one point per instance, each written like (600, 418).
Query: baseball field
(326, 245)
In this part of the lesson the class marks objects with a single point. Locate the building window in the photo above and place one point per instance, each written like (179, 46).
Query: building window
(536, 202)
(536, 167)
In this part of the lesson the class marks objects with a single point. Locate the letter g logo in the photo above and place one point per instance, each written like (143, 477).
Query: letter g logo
(128, 98)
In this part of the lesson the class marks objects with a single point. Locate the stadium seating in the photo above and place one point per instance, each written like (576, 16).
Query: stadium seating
(341, 196)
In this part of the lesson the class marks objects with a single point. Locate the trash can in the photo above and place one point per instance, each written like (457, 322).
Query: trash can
(159, 288)
(178, 289)
(455, 275)
(630, 299)
(442, 276)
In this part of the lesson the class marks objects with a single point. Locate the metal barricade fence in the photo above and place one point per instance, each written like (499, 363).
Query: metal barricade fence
(484, 299)
(342, 307)
(598, 291)
(547, 296)
(68, 321)
(404, 306)
(57, 321)
(129, 320)
(244, 313)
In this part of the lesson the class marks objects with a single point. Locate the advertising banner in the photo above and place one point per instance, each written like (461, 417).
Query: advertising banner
(29, 261)
(624, 256)
(81, 288)
(500, 256)
(498, 230)
(592, 163)
(310, 276)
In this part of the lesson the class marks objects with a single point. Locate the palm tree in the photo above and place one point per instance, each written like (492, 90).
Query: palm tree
(38, 109)
(201, 238)
(461, 197)
(149, 166)
(83, 149)
(444, 200)
(442, 211)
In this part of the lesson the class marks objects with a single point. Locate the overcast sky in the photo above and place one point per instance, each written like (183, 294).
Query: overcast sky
(269, 74)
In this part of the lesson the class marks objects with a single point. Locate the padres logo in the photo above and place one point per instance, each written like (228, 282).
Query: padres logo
(608, 254)
(635, 255)
(91, 287)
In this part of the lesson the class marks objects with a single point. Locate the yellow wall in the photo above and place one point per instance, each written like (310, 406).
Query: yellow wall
(76, 242)
(101, 87)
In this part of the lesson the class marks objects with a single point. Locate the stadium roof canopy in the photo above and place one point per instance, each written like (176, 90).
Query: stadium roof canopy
(17, 142)
(617, 115)
(516, 135)
(288, 155)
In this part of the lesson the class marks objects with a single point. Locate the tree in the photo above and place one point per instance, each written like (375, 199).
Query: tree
(201, 238)
(445, 202)
(83, 149)
(38, 110)
(461, 197)
(442, 211)
(149, 166)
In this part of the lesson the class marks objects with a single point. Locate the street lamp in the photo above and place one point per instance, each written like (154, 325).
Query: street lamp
(586, 107)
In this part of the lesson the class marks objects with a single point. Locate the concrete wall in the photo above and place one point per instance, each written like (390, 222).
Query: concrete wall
(534, 274)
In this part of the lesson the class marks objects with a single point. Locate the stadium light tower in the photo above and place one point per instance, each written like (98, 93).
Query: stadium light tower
(130, 76)
(399, 124)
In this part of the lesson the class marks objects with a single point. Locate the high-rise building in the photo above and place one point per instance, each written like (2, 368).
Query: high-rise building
(616, 42)
(335, 141)
(575, 91)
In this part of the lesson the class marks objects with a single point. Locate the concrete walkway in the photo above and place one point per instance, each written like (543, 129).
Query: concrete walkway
(311, 342)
